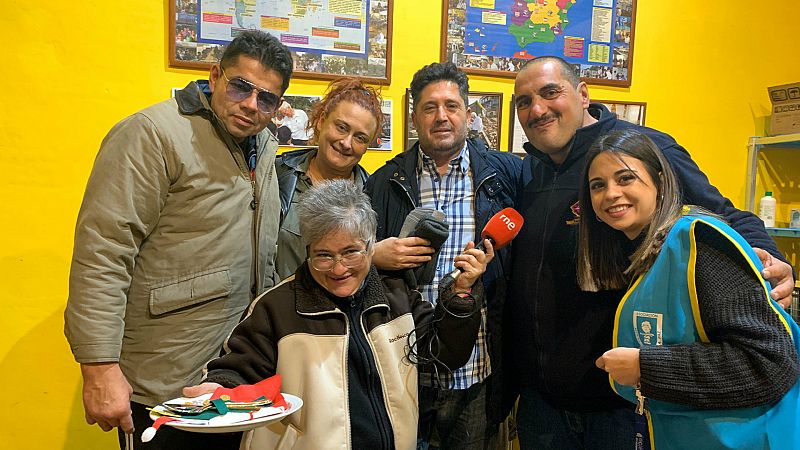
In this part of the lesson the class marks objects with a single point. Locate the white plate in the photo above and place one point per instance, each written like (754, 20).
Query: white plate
(203, 426)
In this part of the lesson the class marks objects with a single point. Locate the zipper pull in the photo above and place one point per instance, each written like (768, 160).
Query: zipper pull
(640, 401)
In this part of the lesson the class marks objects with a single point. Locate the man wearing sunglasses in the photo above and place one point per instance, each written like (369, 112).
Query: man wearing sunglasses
(175, 237)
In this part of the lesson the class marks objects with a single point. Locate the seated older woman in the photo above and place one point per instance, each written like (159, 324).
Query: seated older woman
(339, 334)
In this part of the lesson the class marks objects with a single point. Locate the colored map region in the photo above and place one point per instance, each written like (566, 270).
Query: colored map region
(528, 28)
(244, 9)
(538, 20)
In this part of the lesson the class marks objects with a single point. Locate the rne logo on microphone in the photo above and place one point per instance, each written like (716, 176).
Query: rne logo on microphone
(509, 223)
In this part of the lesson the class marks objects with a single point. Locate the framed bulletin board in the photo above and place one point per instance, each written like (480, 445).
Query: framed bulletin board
(497, 37)
(327, 39)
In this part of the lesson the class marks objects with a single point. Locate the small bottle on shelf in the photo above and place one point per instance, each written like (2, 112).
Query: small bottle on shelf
(766, 209)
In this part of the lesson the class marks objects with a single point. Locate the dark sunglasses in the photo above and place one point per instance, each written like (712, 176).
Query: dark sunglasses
(240, 89)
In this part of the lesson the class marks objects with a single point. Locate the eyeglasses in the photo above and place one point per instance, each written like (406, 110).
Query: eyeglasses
(240, 89)
(350, 259)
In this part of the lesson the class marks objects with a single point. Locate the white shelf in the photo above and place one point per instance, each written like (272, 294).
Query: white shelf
(756, 145)
(784, 232)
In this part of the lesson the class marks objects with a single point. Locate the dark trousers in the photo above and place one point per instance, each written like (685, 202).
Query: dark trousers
(543, 427)
(169, 438)
(454, 419)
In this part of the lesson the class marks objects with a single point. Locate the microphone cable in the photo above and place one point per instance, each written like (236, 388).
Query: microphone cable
(430, 332)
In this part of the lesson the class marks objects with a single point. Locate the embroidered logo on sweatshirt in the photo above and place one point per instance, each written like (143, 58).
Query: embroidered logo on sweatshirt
(576, 212)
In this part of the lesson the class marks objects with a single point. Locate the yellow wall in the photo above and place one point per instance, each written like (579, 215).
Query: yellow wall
(73, 69)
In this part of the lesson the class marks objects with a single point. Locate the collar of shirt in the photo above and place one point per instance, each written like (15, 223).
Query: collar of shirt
(426, 164)
(302, 170)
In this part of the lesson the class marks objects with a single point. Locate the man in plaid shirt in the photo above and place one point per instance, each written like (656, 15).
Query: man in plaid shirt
(469, 184)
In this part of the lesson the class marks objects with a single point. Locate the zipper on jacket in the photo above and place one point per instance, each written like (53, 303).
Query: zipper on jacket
(641, 428)
(408, 194)
(346, 380)
(254, 230)
(365, 354)
(254, 227)
(491, 200)
(536, 329)
(238, 158)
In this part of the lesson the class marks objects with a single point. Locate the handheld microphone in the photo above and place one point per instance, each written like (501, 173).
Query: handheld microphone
(500, 230)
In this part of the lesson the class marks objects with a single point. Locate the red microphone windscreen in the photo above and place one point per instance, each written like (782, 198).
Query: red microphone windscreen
(503, 227)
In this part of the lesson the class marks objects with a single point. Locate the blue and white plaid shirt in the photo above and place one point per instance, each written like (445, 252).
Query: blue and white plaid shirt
(453, 194)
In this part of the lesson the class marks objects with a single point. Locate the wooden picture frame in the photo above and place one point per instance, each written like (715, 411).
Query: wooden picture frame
(487, 106)
(343, 45)
(497, 37)
(516, 135)
(409, 132)
(633, 112)
(384, 139)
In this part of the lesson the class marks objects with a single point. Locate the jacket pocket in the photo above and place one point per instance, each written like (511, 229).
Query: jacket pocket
(189, 290)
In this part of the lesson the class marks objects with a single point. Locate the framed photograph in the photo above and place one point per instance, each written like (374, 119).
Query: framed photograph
(629, 111)
(409, 132)
(291, 119)
(384, 139)
(484, 115)
(327, 39)
(516, 135)
(632, 112)
(496, 37)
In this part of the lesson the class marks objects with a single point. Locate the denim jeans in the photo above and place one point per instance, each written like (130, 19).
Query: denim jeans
(543, 427)
(454, 418)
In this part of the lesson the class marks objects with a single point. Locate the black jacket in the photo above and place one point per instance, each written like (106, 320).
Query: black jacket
(394, 192)
(557, 330)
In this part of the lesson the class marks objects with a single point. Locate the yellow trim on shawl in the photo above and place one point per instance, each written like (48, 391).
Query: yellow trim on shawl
(692, 283)
(615, 336)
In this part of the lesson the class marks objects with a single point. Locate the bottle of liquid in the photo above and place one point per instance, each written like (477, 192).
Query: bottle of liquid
(766, 209)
